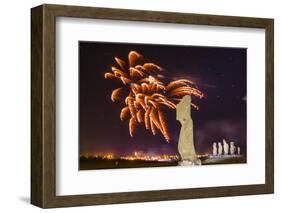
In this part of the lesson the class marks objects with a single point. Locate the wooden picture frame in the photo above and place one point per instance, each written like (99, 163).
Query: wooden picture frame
(43, 105)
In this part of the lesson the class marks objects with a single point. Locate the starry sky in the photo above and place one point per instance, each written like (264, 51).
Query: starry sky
(219, 72)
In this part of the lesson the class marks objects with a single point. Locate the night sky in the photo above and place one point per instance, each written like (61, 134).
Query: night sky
(219, 72)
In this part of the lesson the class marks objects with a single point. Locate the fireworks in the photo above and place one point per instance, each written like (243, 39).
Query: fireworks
(145, 95)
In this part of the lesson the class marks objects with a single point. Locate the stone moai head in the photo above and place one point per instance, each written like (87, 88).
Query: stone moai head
(183, 109)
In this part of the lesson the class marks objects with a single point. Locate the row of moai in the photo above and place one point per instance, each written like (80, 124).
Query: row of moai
(223, 148)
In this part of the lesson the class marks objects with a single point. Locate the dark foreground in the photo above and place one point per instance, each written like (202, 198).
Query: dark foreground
(97, 163)
(88, 164)
(227, 160)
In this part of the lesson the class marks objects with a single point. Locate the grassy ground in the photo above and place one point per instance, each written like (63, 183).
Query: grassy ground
(97, 163)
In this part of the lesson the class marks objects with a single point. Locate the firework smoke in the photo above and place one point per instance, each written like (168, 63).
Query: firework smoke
(145, 96)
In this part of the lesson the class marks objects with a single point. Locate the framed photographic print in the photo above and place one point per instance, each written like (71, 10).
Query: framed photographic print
(136, 106)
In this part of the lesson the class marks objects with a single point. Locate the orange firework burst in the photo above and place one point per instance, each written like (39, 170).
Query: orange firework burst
(147, 95)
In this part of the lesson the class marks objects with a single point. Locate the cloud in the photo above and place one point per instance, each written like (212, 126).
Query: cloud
(163, 149)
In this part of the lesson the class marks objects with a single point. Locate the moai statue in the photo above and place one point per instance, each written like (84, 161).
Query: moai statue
(219, 148)
(186, 143)
(238, 150)
(215, 149)
(232, 148)
(225, 147)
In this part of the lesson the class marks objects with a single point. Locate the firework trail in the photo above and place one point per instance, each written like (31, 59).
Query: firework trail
(145, 96)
